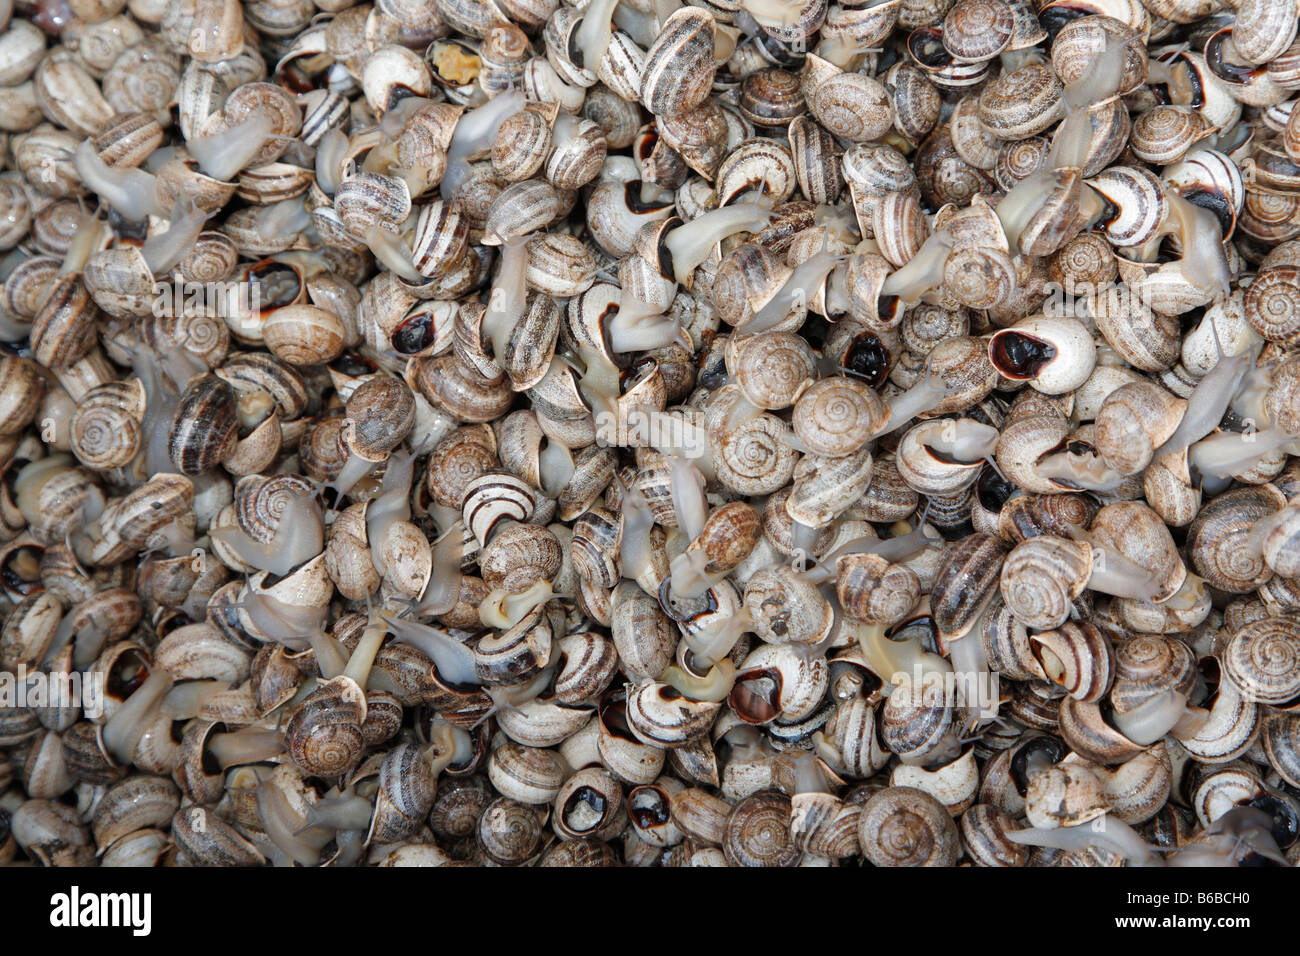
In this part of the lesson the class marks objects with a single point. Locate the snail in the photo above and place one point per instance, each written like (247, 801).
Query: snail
(762, 433)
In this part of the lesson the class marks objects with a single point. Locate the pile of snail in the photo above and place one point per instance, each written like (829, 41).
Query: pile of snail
(414, 493)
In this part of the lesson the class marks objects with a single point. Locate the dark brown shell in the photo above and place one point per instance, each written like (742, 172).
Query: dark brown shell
(206, 425)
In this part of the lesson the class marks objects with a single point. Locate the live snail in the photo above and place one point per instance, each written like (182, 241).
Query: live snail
(763, 432)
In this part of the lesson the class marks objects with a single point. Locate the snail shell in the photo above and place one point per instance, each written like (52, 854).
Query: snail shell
(205, 428)
(1278, 737)
(406, 791)
(837, 415)
(1022, 103)
(786, 608)
(757, 831)
(1147, 665)
(904, 826)
(679, 66)
(1263, 660)
(1217, 539)
(984, 829)
(1135, 420)
(965, 582)
(509, 832)
(324, 733)
(1042, 576)
(1076, 657)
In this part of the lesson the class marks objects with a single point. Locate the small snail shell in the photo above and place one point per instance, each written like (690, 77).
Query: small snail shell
(642, 633)
(406, 791)
(786, 608)
(1078, 658)
(773, 368)
(837, 415)
(1146, 339)
(589, 806)
(380, 414)
(849, 105)
(1263, 660)
(757, 831)
(324, 733)
(205, 428)
(1217, 541)
(729, 535)
(1022, 103)
(679, 67)
(106, 428)
(873, 590)
(903, 826)
(1135, 420)
(1164, 135)
(1271, 304)
(825, 488)
(821, 824)
(984, 829)
(1138, 198)
(527, 774)
(1147, 665)
(915, 732)
(775, 681)
(1280, 740)
(1233, 724)
(965, 582)
(1042, 576)
(658, 715)
(977, 30)
(1055, 355)
(1068, 794)
(509, 832)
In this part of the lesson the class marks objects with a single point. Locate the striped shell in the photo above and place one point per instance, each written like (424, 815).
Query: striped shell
(495, 498)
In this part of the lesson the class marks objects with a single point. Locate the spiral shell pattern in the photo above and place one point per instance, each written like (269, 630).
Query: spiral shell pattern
(1019, 159)
(260, 502)
(774, 368)
(1273, 304)
(758, 831)
(106, 427)
(1042, 576)
(837, 415)
(144, 79)
(853, 106)
(977, 30)
(753, 458)
(1263, 661)
(904, 826)
(509, 832)
(324, 733)
(1148, 664)
(979, 278)
(871, 589)
(1217, 541)
(1164, 134)
(492, 499)
(1022, 103)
